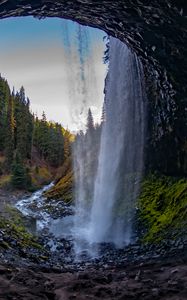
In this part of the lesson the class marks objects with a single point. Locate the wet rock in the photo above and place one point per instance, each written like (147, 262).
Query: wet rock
(174, 271)
(155, 292)
(137, 277)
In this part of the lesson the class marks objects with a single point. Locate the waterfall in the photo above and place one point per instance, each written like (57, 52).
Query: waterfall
(84, 88)
(108, 215)
(121, 150)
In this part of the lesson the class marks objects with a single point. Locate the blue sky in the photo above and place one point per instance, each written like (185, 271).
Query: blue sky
(34, 53)
(29, 30)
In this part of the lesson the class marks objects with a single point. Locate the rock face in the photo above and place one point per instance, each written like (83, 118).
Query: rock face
(157, 31)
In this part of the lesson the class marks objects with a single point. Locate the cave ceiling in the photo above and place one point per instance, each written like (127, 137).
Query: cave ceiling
(156, 30)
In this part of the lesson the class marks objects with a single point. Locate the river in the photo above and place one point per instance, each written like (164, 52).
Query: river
(52, 219)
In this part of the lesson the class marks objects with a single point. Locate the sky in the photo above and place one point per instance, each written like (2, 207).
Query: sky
(60, 65)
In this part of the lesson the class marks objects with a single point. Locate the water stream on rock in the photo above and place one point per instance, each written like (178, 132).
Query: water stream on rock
(36, 208)
(105, 208)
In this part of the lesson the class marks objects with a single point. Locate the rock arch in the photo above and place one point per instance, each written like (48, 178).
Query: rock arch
(157, 31)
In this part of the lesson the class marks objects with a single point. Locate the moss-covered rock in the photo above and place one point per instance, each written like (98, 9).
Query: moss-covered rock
(13, 231)
(163, 207)
(63, 189)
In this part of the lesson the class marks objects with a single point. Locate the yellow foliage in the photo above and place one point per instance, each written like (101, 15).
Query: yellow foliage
(5, 180)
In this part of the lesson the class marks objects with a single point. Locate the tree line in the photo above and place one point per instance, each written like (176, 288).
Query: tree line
(22, 134)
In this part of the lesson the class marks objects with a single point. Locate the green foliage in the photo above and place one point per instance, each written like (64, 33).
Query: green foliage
(19, 178)
(163, 207)
(9, 138)
(39, 143)
(88, 145)
(49, 140)
(39, 177)
(14, 230)
(24, 125)
(4, 98)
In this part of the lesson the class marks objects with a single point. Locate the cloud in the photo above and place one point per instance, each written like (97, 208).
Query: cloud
(49, 80)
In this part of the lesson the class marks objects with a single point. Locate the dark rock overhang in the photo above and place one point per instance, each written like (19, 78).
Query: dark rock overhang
(156, 30)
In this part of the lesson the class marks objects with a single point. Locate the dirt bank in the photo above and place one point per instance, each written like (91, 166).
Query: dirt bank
(149, 280)
(10, 197)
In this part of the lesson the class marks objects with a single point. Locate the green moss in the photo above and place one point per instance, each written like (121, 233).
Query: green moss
(4, 245)
(13, 214)
(163, 207)
(63, 189)
(13, 226)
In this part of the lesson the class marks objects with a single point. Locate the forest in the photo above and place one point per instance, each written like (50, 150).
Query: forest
(31, 149)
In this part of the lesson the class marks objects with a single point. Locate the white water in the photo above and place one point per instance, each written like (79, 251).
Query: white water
(84, 72)
(108, 215)
(32, 207)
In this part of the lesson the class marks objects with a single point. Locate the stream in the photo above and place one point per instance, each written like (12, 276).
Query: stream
(53, 223)
(51, 220)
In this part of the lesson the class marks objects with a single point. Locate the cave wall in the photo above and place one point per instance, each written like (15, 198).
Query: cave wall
(157, 31)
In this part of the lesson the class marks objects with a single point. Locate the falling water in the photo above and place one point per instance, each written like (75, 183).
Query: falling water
(83, 84)
(108, 215)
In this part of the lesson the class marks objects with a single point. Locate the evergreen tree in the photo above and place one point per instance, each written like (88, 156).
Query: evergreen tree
(29, 129)
(21, 131)
(4, 98)
(19, 178)
(9, 139)
(21, 134)
(90, 122)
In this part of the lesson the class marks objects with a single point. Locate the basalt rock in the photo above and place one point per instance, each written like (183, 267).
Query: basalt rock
(157, 31)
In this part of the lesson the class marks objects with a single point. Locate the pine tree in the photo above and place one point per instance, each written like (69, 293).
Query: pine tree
(4, 98)
(19, 178)
(43, 135)
(90, 122)
(24, 125)
(9, 139)
(21, 133)
(29, 129)
(21, 126)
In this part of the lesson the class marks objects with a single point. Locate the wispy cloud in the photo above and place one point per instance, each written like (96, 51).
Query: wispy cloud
(47, 76)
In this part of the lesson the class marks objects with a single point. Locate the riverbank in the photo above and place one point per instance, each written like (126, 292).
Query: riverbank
(11, 197)
(46, 267)
(153, 279)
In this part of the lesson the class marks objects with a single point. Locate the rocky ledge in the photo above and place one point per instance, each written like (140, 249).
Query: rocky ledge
(151, 280)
